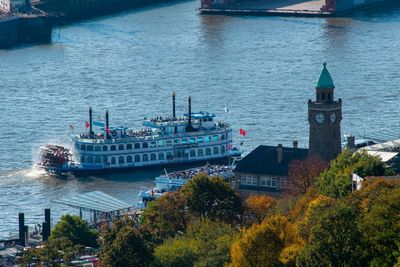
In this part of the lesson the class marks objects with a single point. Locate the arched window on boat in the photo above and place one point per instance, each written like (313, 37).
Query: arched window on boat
(97, 148)
(97, 159)
(153, 144)
(216, 150)
(129, 159)
(105, 159)
(137, 145)
(137, 158)
(208, 151)
(90, 159)
(82, 159)
(145, 145)
(113, 160)
(160, 156)
(145, 157)
(222, 149)
(169, 155)
(83, 147)
(200, 152)
(153, 157)
(89, 148)
(129, 146)
(105, 148)
(192, 153)
(120, 147)
(121, 160)
(113, 148)
(215, 138)
(222, 136)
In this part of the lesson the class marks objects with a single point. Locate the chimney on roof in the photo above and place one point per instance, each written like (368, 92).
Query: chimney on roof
(280, 152)
(295, 144)
(351, 142)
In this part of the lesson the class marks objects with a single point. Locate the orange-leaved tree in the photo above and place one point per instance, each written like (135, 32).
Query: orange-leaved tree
(258, 206)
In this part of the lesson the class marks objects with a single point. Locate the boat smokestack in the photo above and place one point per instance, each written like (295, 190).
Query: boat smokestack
(190, 110)
(90, 120)
(21, 228)
(173, 105)
(107, 125)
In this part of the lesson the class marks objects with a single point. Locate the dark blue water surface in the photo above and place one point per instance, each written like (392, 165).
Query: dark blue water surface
(262, 69)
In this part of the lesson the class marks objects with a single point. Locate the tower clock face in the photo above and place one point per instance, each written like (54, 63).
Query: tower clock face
(319, 118)
(333, 117)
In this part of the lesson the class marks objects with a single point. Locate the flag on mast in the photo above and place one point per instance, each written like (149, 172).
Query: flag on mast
(243, 132)
(87, 125)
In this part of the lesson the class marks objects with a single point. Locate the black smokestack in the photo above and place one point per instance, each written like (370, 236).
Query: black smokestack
(107, 125)
(90, 120)
(173, 105)
(190, 110)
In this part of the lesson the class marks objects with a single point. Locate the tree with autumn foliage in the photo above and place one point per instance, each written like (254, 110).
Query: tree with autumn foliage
(257, 207)
(303, 173)
(165, 217)
(274, 242)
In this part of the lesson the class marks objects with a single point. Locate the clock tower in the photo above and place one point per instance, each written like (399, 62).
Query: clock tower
(324, 117)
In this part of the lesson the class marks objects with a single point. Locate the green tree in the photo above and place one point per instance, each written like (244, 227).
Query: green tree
(380, 223)
(165, 217)
(51, 253)
(205, 243)
(213, 198)
(274, 242)
(335, 240)
(336, 181)
(123, 245)
(74, 229)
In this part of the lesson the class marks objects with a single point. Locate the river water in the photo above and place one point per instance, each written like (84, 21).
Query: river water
(263, 69)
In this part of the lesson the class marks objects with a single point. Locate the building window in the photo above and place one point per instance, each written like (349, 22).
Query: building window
(137, 158)
(207, 139)
(192, 140)
(223, 137)
(199, 139)
(161, 143)
(83, 147)
(82, 159)
(160, 156)
(97, 159)
(145, 145)
(113, 160)
(249, 180)
(97, 148)
(284, 183)
(137, 145)
(184, 141)
(222, 149)
(266, 181)
(121, 160)
(89, 159)
(113, 148)
(192, 153)
(200, 152)
(105, 148)
(129, 159)
(121, 147)
(145, 157)
(105, 159)
(177, 141)
(216, 150)
(208, 151)
(153, 157)
(129, 146)
(215, 138)
(169, 142)
(153, 144)
(89, 148)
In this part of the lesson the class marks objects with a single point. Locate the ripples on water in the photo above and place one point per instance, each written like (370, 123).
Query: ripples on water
(263, 69)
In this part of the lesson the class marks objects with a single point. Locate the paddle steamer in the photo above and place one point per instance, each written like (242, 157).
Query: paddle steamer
(192, 139)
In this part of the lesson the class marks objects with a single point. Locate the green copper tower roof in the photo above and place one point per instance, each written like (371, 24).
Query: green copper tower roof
(325, 80)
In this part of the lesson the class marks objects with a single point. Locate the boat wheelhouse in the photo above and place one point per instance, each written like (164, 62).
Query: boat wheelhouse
(194, 138)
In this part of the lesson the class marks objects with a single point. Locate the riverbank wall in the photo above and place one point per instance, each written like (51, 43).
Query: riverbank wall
(24, 28)
(72, 10)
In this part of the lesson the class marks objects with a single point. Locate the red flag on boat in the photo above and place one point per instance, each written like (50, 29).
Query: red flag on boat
(108, 130)
(87, 124)
(243, 132)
